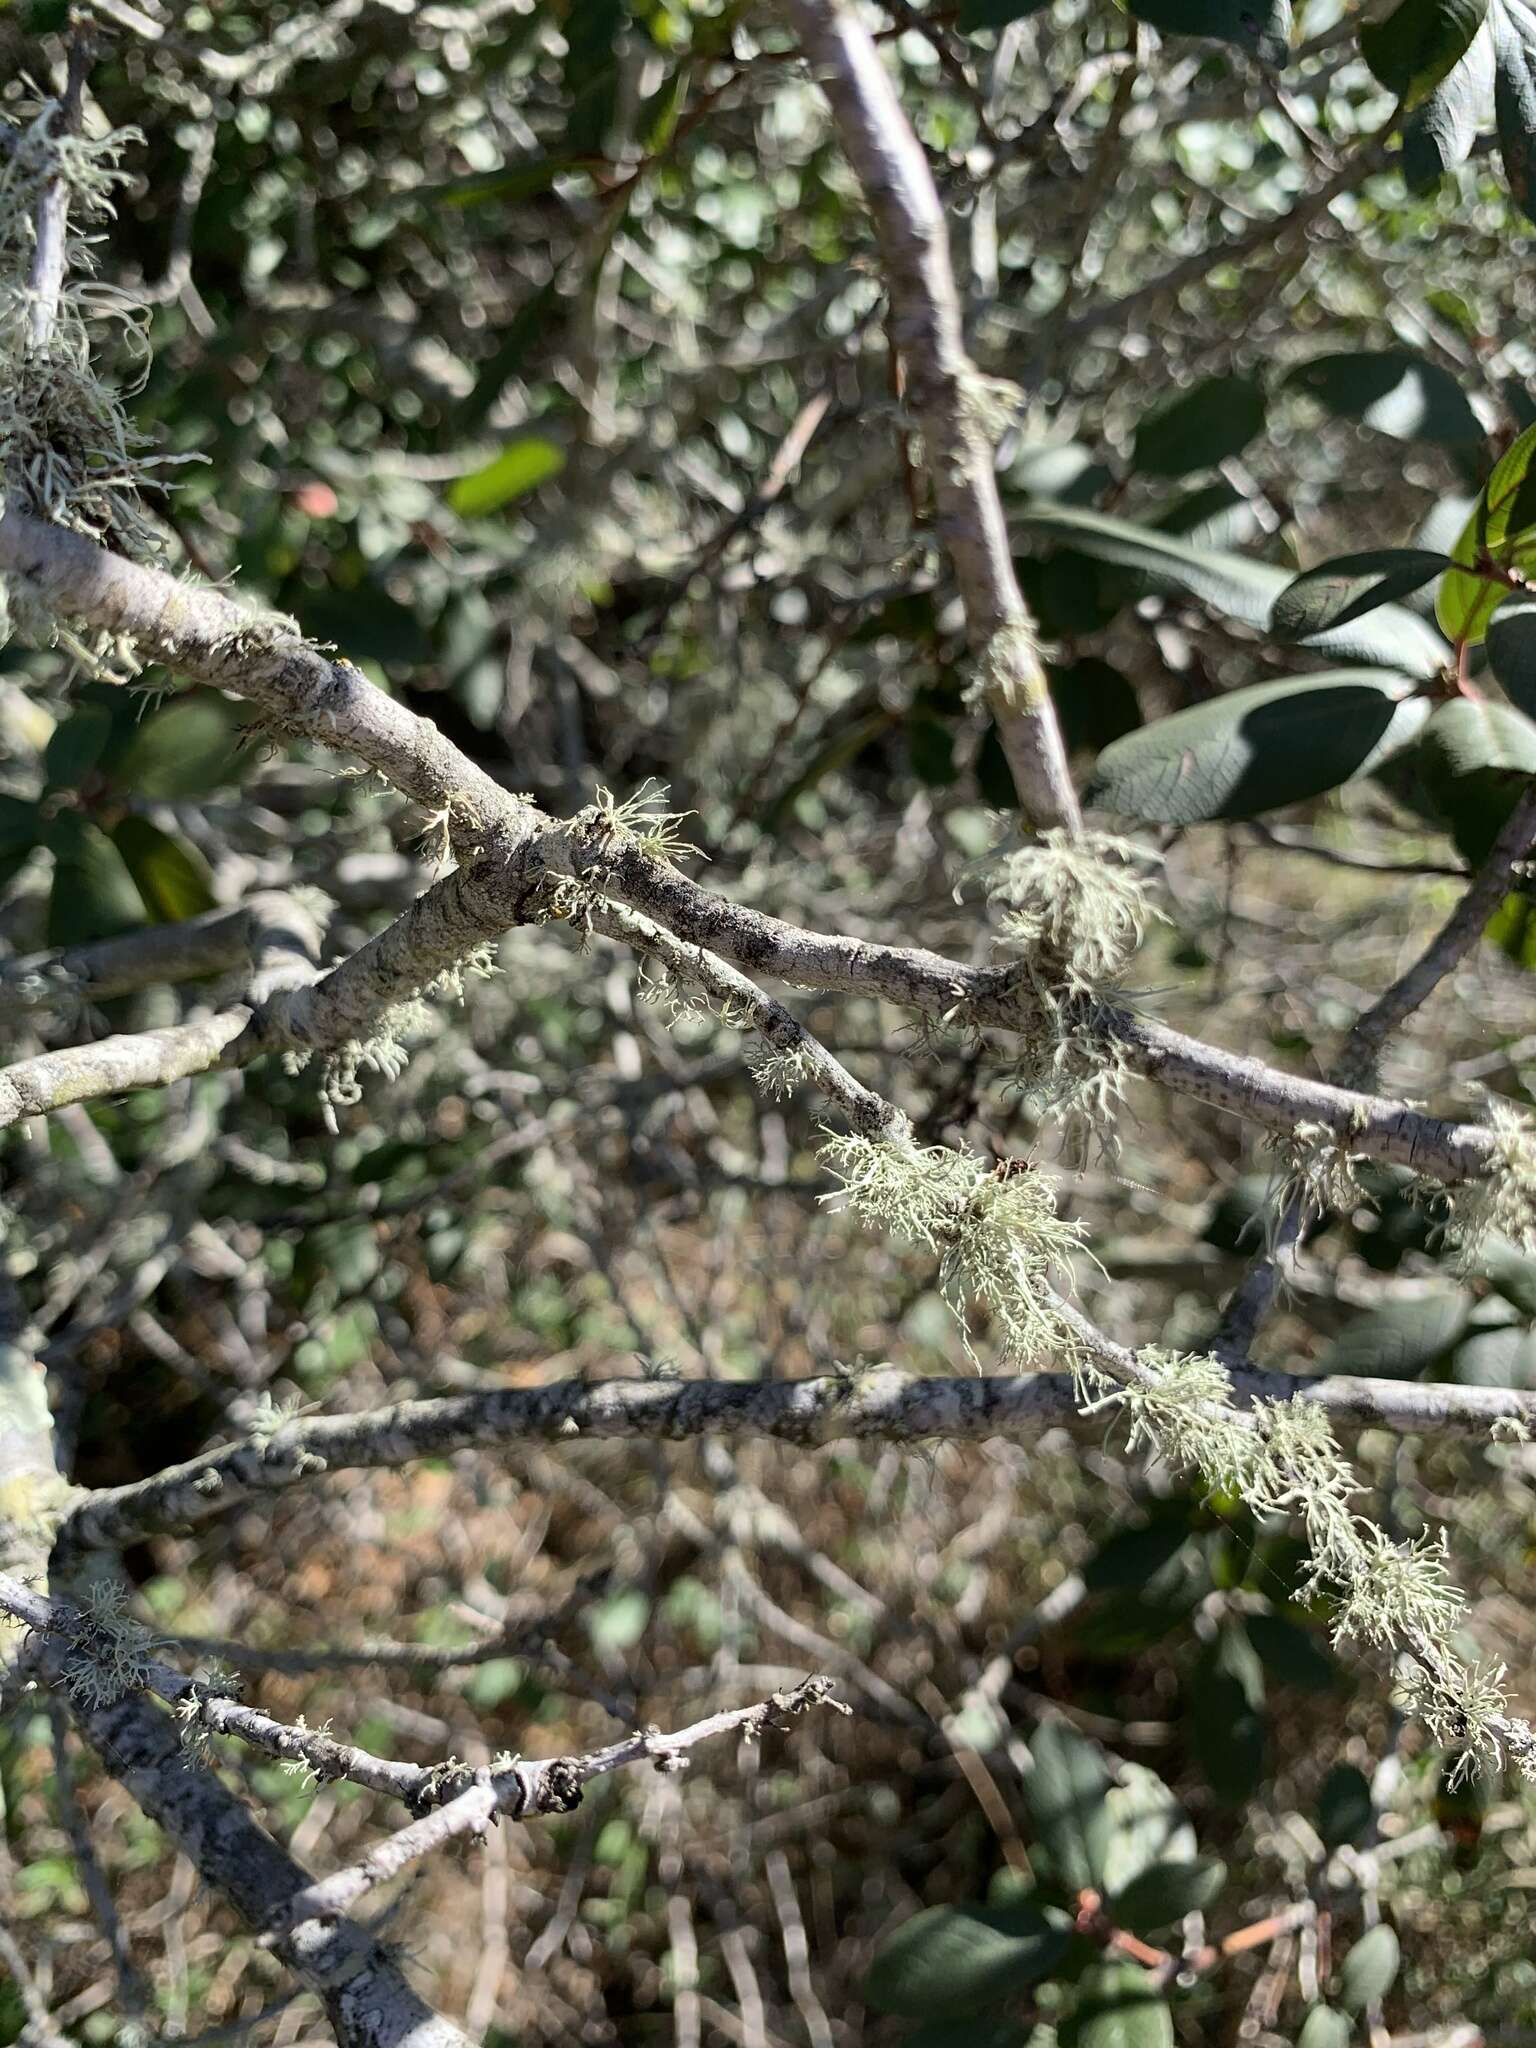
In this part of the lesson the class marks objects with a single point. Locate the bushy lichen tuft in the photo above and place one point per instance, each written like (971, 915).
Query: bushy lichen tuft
(113, 1648)
(1075, 907)
(1281, 1458)
(1503, 1202)
(68, 452)
(994, 1230)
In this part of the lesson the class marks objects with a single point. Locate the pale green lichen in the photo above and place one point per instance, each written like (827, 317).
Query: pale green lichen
(1074, 910)
(1281, 1459)
(68, 452)
(112, 1648)
(385, 1051)
(1502, 1202)
(779, 1070)
(994, 1230)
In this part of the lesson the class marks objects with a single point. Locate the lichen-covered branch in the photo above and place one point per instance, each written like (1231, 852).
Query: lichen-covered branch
(881, 1404)
(281, 935)
(511, 853)
(952, 400)
(520, 1788)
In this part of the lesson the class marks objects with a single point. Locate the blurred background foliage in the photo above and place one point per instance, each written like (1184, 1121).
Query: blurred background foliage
(535, 355)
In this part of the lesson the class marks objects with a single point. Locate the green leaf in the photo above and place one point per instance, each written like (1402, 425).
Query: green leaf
(1474, 759)
(21, 825)
(1501, 533)
(93, 895)
(1291, 1653)
(1391, 391)
(1400, 1340)
(1504, 1357)
(1324, 2028)
(521, 467)
(1334, 593)
(172, 878)
(975, 14)
(524, 179)
(1117, 2007)
(974, 2030)
(76, 745)
(1065, 1790)
(1133, 1557)
(951, 1959)
(1442, 132)
(1201, 427)
(1345, 1809)
(1257, 749)
(1262, 29)
(931, 750)
(1095, 704)
(1234, 585)
(1419, 42)
(187, 749)
(1147, 1826)
(1511, 644)
(1514, 97)
(1165, 1892)
(1226, 1717)
(1370, 1969)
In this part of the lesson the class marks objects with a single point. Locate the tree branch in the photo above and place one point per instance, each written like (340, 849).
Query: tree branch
(512, 853)
(947, 393)
(882, 1404)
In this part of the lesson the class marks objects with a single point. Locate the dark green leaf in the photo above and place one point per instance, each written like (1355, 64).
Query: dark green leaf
(951, 1959)
(1147, 1826)
(1065, 471)
(1334, 593)
(1094, 704)
(367, 624)
(1512, 1271)
(1215, 515)
(1503, 1357)
(1444, 129)
(1292, 1654)
(1134, 1557)
(1324, 2028)
(1065, 1789)
(1257, 749)
(187, 749)
(931, 749)
(1345, 1810)
(1370, 1969)
(1401, 1339)
(1226, 1716)
(93, 894)
(1165, 1892)
(171, 877)
(1514, 97)
(1511, 644)
(1201, 427)
(521, 467)
(1419, 42)
(1263, 28)
(1117, 2007)
(1392, 391)
(521, 180)
(1474, 759)
(1231, 584)
(974, 2030)
(976, 14)
(76, 745)
(21, 825)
